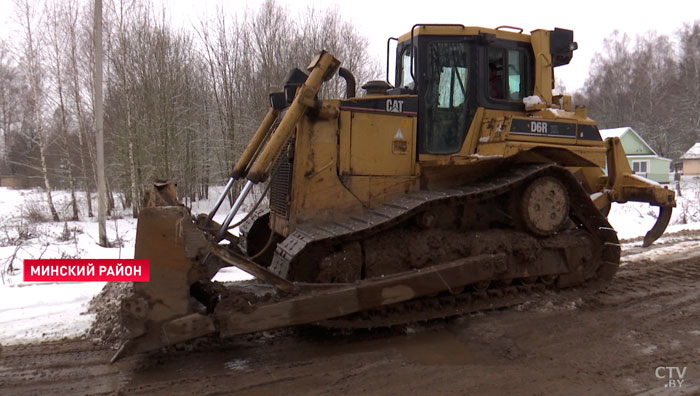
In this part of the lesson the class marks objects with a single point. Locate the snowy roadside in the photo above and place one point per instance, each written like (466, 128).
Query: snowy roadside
(40, 311)
(47, 311)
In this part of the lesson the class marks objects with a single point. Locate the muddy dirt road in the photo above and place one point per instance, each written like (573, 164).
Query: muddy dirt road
(646, 325)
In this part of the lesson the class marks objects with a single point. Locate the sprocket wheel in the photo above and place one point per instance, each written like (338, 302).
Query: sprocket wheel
(544, 206)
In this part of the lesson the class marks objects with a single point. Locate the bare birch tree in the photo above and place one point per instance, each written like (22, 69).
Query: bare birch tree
(74, 24)
(32, 22)
(57, 51)
(10, 90)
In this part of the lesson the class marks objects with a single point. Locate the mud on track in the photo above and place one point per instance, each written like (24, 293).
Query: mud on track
(610, 342)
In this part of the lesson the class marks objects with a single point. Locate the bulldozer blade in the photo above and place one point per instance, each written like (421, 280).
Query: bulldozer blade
(160, 311)
(658, 229)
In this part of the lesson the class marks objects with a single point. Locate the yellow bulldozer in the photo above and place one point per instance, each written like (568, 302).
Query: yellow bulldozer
(465, 185)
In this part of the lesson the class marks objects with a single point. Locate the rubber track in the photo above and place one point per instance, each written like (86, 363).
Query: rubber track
(393, 213)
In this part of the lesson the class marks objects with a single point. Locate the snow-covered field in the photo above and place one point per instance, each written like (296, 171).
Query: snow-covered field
(31, 311)
(634, 219)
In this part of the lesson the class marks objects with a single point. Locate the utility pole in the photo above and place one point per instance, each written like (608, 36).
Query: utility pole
(99, 127)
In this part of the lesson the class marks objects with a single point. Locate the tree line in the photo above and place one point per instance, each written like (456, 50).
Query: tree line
(650, 83)
(180, 103)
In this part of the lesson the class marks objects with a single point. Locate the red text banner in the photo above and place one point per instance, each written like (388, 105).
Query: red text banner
(87, 270)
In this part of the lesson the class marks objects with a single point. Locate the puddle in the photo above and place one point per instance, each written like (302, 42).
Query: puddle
(435, 348)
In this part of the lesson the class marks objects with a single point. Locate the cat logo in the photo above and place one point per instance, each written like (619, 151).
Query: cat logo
(394, 105)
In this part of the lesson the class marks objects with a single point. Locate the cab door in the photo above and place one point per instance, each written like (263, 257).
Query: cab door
(445, 109)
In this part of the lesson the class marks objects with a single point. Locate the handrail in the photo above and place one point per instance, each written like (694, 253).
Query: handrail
(519, 29)
(388, 48)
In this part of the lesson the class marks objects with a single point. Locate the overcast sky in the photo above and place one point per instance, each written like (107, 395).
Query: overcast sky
(591, 20)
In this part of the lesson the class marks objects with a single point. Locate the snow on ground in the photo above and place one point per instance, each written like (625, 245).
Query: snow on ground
(31, 311)
(47, 311)
(34, 310)
(634, 219)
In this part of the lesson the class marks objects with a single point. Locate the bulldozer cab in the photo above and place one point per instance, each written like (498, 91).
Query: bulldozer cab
(455, 70)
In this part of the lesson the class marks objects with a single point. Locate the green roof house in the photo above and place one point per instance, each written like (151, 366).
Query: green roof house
(643, 160)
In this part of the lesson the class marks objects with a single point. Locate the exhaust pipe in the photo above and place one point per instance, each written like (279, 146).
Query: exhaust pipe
(349, 82)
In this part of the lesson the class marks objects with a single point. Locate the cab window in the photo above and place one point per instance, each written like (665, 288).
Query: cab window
(405, 79)
(507, 70)
(452, 86)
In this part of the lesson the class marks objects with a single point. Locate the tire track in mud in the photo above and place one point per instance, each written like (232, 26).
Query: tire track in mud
(632, 246)
(672, 260)
(57, 367)
(642, 278)
(657, 292)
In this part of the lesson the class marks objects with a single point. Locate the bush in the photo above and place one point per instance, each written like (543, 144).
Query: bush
(32, 211)
(17, 232)
(66, 235)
